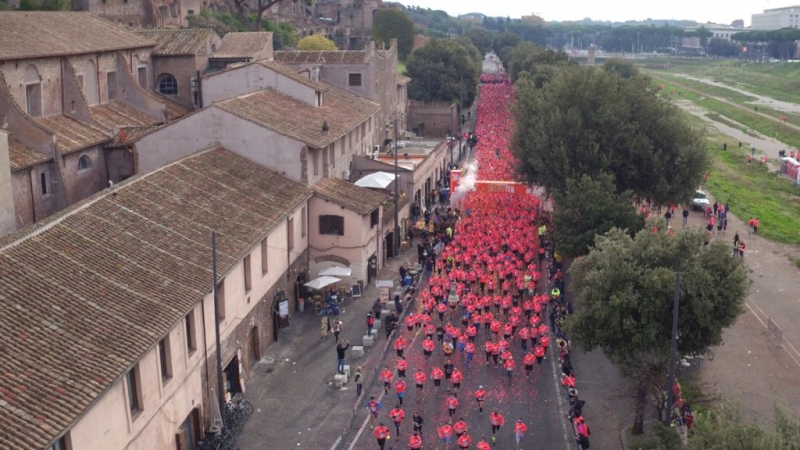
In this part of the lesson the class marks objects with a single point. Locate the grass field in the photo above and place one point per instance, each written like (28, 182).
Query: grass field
(753, 191)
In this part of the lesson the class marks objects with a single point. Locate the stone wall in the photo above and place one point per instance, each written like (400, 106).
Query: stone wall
(432, 119)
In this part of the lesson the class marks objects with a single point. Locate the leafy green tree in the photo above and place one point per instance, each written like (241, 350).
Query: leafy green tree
(285, 35)
(722, 47)
(316, 42)
(442, 70)
(621, 67)
(529, 57)
(394, 23)
(624, 288)
(588, 208)
(586, 121)
(482, 39)
(505, 39)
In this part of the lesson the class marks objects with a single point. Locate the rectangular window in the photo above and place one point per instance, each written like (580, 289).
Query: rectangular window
(111, 85)
(61, 444)
(43, 183)
(191, 332)
(134, 389)
(331, 225)
(373, 218)
(354, 79)
(221, 298)
(315, 161)
(264, 257)
(248, 281)
(80, 84)
(33, 99)
(333, 155)
(142, 73)
(290, 236)
(165, 358)
(303, 222)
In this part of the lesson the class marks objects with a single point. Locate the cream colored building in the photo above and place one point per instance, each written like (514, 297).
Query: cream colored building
(116, 349)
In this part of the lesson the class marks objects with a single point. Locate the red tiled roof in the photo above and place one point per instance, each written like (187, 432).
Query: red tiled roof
(242, 45)
(321, 57)
(174, 109)
(290, 72)
(72, 134)
(342, 111)
(115, 114)
(178, 42)
(37, 34)
(21, 156)
(352, 197)
(85, 293)
(129, 135)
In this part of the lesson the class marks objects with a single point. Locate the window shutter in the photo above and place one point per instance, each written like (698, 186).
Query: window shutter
(180, 441)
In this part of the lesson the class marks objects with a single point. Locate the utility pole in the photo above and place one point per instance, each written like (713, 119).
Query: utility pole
(220, 392)
(673, 348)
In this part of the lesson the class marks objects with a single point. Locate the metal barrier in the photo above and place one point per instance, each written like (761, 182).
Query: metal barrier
(775, 331)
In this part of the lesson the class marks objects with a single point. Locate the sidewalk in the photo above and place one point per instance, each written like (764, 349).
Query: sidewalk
(295, 403)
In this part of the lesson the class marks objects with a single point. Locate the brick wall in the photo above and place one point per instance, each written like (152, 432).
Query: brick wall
(432, 119)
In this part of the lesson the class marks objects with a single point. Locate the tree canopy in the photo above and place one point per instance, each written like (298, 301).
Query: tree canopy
(262, 6)
(482, 39)
(586, 121)
(316, 42)
(621, 67)
(285, 35)
(625, 288)
(443, 70)
(534, 59)
(589, 208)
(394, 23)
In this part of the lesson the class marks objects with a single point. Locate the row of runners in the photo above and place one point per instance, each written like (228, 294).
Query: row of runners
(482, 295)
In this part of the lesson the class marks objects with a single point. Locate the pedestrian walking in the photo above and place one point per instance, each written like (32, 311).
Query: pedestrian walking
(397, 415)
(519, 431)
(370, 323)
(341, 348)
(358, 379)
(337, 329)
(381, 433)
(685, 216)
(377, 307)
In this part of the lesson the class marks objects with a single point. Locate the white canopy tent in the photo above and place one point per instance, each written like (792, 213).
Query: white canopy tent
(335, 271)
(376, 180)
(321, 282)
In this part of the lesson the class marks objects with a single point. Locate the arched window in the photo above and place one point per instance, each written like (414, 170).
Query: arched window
(167, 84)
(84, 163)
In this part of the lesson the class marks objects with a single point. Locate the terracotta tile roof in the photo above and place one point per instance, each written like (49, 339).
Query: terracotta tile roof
(88, 291)
(342, 111)
(321, 57)
(242, 45)
(129, 135)
(29, 34)
(402, 79)
(175, 42)
(352, 197)
(21, 156)
(292, 73)
(115, 114)
(72, 134)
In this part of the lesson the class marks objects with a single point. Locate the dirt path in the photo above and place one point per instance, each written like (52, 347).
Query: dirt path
(760, 100)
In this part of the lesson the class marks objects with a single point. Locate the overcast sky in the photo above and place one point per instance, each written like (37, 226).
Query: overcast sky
(718, 11)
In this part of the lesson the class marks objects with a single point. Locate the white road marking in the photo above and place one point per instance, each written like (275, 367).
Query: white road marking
(561, 412)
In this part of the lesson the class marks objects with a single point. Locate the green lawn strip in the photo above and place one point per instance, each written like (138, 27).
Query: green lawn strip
(709, 89)
(674, 92)
(763, 125)
(753, 191)
(717, 118)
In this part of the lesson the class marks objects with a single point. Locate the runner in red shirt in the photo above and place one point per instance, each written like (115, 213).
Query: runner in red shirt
(401, 365)
(464, 441)
(400, 388)
(460, 427)
(524, 334)
(529, 360)
(497, 421)
(483, 445)
(480, 397)
(419, 380)
(436, 376)
(544, 341)
(446, 433)
(452, 404)
(415, 441)
(386, 377)
(381, 433)
(509, 365)
(456, 378)
(400, 344)
(539, 353)
(397, 415)
(519, 431)
(427, 347)
(487, 347)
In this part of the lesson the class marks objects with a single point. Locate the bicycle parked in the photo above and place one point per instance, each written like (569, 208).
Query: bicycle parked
(237, 412)
(218, 440)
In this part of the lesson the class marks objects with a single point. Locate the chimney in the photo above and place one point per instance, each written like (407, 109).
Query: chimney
(8, 215)
(325, 128)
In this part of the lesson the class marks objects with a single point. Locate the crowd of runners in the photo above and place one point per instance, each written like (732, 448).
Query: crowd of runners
(494, 304)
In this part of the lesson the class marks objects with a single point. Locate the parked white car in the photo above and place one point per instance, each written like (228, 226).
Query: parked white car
(700, 200)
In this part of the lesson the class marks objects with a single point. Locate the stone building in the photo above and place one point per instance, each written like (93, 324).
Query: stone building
(68, 83)
(242, 48)
(369, 73)
(179, 58)
(142, 13)
(124, 355)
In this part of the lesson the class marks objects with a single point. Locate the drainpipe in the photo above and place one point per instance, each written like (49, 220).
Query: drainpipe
(33, 199)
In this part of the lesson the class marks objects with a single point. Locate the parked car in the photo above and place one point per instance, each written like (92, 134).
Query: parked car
(699, 200)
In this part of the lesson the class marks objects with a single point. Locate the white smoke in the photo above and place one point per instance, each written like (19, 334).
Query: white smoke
(466, 184)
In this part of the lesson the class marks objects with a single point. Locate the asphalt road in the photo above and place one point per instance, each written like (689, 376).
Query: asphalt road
(539, 401)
